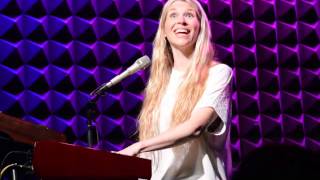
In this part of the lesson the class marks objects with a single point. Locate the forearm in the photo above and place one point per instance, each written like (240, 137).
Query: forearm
(172, 137)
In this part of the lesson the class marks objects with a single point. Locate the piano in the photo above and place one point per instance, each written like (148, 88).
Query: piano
(17, 137)
(56, 160)
(53, 158)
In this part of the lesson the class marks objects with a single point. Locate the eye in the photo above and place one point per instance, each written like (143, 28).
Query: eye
(189, 15)
(173, 15)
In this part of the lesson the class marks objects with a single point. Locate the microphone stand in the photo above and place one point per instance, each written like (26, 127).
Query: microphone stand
(141, 63)
(90, 115)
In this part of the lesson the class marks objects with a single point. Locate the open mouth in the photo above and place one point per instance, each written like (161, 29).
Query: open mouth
(182, 31)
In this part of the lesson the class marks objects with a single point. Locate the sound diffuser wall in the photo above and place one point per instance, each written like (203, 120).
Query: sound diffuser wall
(53, 53)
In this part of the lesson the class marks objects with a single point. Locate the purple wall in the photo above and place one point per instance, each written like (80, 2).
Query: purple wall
(55, 52)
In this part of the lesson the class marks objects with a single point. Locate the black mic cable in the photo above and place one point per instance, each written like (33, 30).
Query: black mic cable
(28, 154)
(14, 165)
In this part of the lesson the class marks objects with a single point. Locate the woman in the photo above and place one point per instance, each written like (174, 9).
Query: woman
(187, 91)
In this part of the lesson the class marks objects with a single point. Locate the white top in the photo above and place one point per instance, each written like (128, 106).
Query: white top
(207, 155)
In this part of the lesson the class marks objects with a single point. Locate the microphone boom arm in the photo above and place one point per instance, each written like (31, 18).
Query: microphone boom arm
(141, 63)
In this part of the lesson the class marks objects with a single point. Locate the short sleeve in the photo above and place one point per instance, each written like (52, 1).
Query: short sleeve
(217, 95)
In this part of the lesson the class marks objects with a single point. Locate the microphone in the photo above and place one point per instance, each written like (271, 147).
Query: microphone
(140, 63)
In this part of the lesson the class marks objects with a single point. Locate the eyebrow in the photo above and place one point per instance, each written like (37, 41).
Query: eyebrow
(173, 9)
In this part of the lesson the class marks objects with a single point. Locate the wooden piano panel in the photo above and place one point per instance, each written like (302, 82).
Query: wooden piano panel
(53, 160)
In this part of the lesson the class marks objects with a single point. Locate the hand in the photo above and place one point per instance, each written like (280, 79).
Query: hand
(131, 150)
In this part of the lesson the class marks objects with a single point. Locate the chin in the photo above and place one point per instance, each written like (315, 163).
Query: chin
(182, 43)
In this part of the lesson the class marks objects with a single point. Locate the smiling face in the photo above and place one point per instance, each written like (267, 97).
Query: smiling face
(182, 25)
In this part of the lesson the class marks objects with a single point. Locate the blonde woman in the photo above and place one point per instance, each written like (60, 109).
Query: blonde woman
(184, 121)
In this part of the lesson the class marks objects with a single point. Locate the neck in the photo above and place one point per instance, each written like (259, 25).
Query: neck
(182, 58)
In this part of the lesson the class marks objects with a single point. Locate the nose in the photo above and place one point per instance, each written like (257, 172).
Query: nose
(181, 20)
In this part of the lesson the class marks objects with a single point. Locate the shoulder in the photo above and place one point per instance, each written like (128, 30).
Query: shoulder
(220, 72)
(219, 67)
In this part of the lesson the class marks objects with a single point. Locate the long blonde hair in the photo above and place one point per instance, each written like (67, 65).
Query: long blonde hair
(191, 88)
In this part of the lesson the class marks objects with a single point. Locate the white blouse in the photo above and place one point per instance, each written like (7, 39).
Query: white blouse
(208, 155)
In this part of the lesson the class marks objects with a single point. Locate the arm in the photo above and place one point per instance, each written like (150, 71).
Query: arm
(200, 117)
(174, 136)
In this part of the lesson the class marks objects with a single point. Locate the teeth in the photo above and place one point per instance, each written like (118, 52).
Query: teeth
(182, 31)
